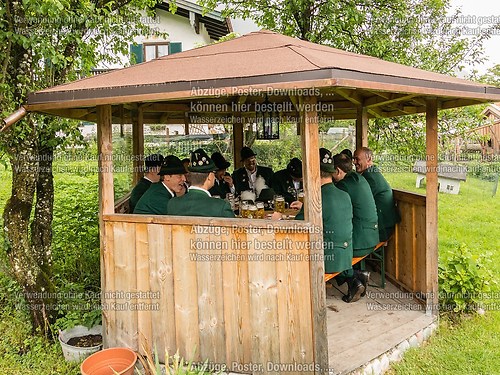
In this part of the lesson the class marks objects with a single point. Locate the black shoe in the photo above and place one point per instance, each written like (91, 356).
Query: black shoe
(356, 288)
(364, 277)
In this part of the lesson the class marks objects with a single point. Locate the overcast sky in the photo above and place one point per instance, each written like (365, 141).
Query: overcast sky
(481, 14)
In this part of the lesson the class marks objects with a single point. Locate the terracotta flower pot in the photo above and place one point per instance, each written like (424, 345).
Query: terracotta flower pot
(110, 362)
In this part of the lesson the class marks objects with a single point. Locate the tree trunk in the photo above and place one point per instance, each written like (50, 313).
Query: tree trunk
(29, 251)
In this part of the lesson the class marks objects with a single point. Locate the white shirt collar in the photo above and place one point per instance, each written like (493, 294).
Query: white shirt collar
(170, 191)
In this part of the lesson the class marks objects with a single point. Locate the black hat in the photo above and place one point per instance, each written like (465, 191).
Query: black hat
(154, 160)
(200, 162)
(219, 161)
(246, 152)
(266, 195)
(294, 167)
(347, 152)
(326, 161)
(172, 165)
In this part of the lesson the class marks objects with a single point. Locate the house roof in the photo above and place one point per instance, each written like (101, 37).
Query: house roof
(216, 25)
(242, 69)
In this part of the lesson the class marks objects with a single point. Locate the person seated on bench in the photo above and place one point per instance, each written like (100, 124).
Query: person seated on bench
(387, 212)
(337, 228)
(365, 235)
(152, 166)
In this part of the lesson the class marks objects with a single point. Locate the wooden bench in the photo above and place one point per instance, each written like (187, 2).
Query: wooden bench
(355, 260)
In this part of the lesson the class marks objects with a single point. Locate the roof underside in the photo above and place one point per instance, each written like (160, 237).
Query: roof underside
(226, 79)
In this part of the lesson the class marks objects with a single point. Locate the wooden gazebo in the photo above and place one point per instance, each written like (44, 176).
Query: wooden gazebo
(231, 310)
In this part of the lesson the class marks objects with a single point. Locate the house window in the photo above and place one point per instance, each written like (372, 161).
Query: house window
(148, 51)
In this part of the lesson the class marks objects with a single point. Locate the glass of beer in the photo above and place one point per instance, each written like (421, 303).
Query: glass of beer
(279, 203)
(300, 196)
(244, 209)
(252, 211)
(260, 210)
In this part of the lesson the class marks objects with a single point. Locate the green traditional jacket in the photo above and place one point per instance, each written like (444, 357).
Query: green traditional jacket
(154, 201)
(138, 191)
(337, 228)
(387, 213)
(365, 234)
(199, 203)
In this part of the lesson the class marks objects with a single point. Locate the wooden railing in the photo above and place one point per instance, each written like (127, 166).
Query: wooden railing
(405, 259)
(209, 288)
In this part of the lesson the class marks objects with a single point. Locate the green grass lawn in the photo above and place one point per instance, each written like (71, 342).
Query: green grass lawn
(469, 347)
(473, 345)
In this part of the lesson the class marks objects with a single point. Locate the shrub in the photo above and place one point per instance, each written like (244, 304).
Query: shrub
(464, 281)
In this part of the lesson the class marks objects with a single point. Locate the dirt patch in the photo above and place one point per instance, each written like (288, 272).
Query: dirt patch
(85, 341)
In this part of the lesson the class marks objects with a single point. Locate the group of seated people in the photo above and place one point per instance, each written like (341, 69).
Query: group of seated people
(358, 209)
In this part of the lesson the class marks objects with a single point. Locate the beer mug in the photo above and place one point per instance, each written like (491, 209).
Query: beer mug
(252, 211)
(300, 196)
(244, 209)
(279, 203)
(260, 210)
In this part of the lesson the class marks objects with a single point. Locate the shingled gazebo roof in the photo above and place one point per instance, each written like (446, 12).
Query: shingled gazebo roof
(256, 63)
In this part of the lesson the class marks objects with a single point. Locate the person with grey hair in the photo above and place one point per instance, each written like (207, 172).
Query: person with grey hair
(387, 212)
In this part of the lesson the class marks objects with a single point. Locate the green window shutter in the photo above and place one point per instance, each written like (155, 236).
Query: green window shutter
(136, 54)
(174, 47)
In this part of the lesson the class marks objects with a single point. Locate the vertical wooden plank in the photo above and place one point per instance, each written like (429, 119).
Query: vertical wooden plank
(312, 210)
(236, 302)
(125, 284)
(108, 285)
(162, 283)
(263, 304)
(105, 162)
(106, 206)
(145, 304)
(361, 127)
(138, 146)
(237, 143)
(405, 253)
(210, 299)
(431, 212)
(185, 289)
(294, 306)
(414, 260)
(421, 246)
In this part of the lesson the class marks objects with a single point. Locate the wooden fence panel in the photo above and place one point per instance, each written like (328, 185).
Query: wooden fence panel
(248, 310)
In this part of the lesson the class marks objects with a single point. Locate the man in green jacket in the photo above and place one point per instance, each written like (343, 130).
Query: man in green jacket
(152, 166)
(365, 234)
(198, 201)
(387, 212)
(172, 180)
(337, 228)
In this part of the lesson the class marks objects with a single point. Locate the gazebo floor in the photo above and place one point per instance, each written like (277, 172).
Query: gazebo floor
(362, 331)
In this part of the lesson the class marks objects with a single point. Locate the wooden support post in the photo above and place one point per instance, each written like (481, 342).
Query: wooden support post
(361, 127)
(138, 146)
(309, 131)
(237, 142)
(106, 194)
(431, 210)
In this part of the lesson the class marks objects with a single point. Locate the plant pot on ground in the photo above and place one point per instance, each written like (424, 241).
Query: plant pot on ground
(112, 361)
(79, 342)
